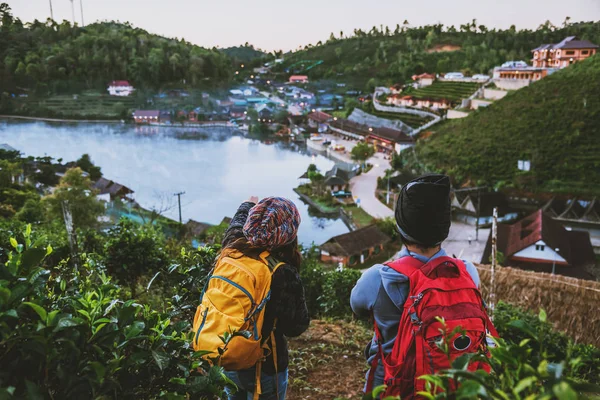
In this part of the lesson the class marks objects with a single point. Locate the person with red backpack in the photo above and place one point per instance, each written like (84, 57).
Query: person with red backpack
(406, 297)
(255, 294)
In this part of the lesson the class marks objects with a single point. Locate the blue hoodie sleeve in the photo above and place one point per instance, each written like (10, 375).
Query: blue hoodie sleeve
(473, 272)
(365, 292)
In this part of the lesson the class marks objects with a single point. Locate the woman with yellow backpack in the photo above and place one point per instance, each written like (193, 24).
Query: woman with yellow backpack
(253, 299)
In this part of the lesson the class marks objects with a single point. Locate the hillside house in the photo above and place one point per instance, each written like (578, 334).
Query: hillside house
(114, 190)
(298, 79)
(563, 54)
(542, 244)
(388, 141)
(120, 88)
(237, 112)
(410, 101)
(396, 89)
(191, 116)
(423, 80)
(319, 120)
(355, 247)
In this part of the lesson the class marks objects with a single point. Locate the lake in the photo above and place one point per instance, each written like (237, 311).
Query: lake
(216, 169)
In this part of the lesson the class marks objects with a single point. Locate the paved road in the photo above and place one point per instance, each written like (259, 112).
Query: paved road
(457, 243)
(363, 187)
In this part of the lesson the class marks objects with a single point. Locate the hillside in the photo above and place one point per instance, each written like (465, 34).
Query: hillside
(391, 55)
(246, 53)
(59, 57)
(553, 123)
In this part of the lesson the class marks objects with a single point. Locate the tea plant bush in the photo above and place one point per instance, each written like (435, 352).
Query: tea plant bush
(67, 333)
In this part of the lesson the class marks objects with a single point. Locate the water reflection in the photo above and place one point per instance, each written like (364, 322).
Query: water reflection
(216, 167)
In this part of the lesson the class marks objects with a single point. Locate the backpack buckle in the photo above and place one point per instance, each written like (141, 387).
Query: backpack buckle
(415, 319)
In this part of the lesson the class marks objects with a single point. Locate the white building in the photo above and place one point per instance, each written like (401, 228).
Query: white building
(120, 88)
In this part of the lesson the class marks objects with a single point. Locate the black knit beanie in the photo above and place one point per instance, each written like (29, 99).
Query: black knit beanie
(423, 210)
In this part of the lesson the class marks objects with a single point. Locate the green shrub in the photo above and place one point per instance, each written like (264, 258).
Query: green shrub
(70, 333)
(337, 286)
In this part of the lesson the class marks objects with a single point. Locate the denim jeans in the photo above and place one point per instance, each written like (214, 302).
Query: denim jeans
(246, 381)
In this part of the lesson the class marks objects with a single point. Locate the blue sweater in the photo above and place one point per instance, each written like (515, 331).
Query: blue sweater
(383, 291)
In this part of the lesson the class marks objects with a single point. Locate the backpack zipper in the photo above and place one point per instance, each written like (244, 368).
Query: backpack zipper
(201, 325)
(247, 293)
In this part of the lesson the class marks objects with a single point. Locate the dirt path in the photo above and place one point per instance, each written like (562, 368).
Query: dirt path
(327, 361)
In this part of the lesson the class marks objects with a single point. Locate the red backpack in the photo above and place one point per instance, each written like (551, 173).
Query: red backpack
(440, 288)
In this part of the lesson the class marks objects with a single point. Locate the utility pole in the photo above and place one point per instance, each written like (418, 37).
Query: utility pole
(51, 12)
(81, 6)
(73, 11)
(492, 296)
(179, 201)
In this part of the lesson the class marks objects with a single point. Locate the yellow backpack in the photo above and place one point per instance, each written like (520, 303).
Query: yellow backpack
(234, 299)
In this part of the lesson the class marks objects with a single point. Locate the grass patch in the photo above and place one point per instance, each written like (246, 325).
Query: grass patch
(359, 216)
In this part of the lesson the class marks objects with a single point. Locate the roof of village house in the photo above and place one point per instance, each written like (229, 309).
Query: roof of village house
(350, 126)
(118, 189)
(574, 246)
(104, 186)
(393, 135)
(337, 176)
(298, 77)
(423, 76)
(197, 228)
(7, 147)
(570, 42)
(101, 184)
(119, 83)
(354, 243)
(487, 201)
(319, 116)
(146, 113)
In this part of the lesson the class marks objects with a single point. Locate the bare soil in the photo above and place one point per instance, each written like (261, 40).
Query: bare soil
(327, 361)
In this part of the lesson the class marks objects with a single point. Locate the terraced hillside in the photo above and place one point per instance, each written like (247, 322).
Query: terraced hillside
(553, 123)
(453, 91)
(81, 106)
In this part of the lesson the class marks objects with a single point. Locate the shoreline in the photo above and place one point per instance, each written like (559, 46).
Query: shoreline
(221, 124)
(44, 119)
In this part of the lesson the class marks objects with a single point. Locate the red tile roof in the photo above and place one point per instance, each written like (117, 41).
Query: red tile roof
(119, 83)
(574, 246)
(423, 76)
(298, 78)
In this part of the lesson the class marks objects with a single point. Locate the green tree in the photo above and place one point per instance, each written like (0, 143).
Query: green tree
(86, 164)
(32, 212)
(132, 252)
(362, 152)
(75, 189)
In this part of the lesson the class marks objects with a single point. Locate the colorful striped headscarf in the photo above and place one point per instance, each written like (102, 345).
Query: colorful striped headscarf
(272, 223)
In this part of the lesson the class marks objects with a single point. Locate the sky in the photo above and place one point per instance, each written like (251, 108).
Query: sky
(286, 25)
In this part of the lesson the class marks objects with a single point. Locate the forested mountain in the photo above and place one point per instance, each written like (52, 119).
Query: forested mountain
(52, 57)
(394, 55)
(553, 123)
(245, 53)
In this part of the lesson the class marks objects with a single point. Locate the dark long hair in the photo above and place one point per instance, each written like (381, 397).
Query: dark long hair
(288, 253)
